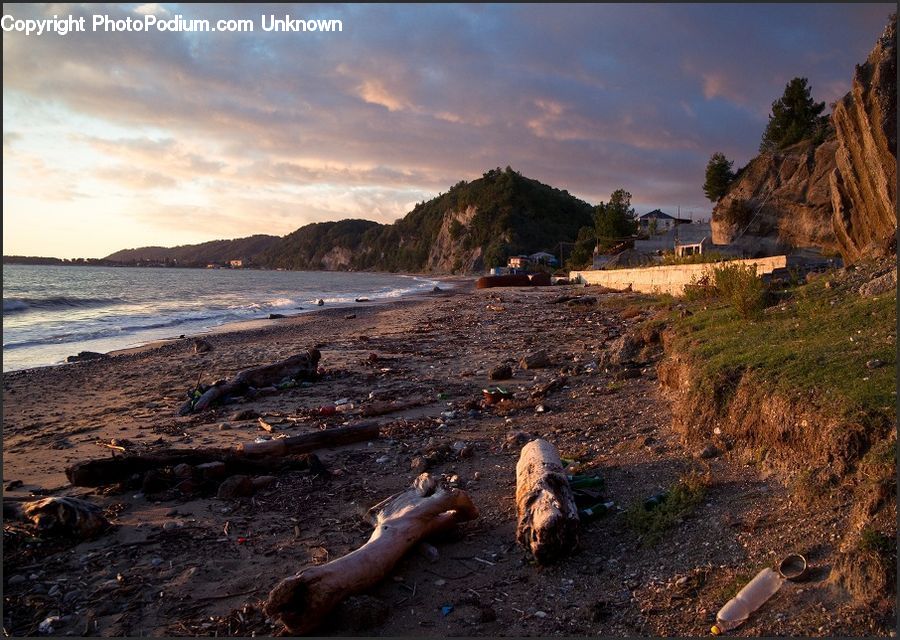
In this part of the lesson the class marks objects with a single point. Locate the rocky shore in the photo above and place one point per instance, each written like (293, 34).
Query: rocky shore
(176, 564)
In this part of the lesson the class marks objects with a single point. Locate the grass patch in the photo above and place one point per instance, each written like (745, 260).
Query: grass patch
(874, 541)
(815, 344)
(651, 522)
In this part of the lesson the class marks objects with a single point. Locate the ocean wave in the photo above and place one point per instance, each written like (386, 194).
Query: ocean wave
(55, 302)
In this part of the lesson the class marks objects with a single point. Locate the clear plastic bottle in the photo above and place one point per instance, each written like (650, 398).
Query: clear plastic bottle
(749, 599)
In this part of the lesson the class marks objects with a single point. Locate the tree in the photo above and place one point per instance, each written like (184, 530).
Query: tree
(583, 251)
(614, 220)
(718, 176)
(795, 117)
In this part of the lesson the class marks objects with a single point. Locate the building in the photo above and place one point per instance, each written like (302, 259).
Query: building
(683, 249)
(518, 262)
(236, 264)
(658, 222)
(680, 234)
(542, 257)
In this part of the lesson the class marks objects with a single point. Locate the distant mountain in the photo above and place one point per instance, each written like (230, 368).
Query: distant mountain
(473, 226)
(199, 255)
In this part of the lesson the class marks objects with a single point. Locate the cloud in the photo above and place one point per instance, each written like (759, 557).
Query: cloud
(284, 129)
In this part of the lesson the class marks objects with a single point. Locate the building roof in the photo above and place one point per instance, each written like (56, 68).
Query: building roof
(656, 214)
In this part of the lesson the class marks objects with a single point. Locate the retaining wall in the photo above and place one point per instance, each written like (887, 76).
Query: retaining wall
(667, 279)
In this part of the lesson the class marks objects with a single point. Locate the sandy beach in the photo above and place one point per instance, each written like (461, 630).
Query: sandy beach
(201, 565)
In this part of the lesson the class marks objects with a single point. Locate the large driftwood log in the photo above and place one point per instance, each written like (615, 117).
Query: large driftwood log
(96, 473)
(548, 517)
(59, 515)
(302, 601)
(302, 366)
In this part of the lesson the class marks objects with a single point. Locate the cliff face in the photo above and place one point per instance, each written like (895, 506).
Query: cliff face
(839, 195)
(449, 253)
(864, 182)
(779, 201)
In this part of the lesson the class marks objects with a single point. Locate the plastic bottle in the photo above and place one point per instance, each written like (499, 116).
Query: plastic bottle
(749, 599)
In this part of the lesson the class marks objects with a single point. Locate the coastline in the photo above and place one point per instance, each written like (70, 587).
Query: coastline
(151, 342)
(454, 285)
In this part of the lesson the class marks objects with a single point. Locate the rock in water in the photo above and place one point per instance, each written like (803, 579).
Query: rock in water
(87, 355)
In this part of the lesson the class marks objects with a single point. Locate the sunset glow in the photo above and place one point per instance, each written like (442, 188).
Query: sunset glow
(121, 139)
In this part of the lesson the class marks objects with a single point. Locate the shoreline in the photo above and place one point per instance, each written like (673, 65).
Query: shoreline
(262, 324)
(452, 283)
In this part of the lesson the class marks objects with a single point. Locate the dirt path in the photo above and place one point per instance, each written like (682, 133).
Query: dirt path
(203, 566)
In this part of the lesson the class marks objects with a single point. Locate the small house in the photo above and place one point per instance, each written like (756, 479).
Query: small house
(542, 257)
(236, 264)
(518, 262)
(657, 221)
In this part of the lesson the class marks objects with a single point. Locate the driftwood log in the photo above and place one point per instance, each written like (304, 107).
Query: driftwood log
(58, 516)
(104, 471)
(302, 366)
(302, 601)
(548, 517)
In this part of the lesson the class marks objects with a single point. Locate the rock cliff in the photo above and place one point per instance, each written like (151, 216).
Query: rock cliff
(449, 253)
(839, 195)
(780, 201)
(864, 182)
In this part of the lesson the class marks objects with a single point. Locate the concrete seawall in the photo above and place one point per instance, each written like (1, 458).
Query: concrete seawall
(667, 279)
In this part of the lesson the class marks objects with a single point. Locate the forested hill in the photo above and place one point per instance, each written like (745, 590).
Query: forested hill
(198, 255)
(475, 225)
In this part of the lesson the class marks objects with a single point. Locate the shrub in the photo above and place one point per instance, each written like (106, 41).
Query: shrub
(652, 521)
(739, 284)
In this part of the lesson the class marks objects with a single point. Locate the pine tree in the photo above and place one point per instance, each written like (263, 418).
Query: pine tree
(718, 176)
(795, 117)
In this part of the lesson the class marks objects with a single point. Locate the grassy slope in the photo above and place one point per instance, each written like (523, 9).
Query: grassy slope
(818, 340)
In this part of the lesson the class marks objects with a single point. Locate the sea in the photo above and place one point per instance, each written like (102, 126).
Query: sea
(53, 311)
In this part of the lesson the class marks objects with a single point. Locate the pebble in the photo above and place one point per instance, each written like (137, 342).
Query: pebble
(156, 561)
(383, 459)
(224, 427)
(874, 364)
(540, 614)
(16, 579)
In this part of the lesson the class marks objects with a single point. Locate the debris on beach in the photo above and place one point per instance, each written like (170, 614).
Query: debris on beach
(302, 366)
(401, 521)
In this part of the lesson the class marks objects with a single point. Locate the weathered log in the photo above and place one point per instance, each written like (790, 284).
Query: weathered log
(96, 473)
(302, 601)
(302, 366)
(548, 516)
(59, 516)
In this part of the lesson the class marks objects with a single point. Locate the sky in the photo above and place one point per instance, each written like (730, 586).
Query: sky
(121, 139)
